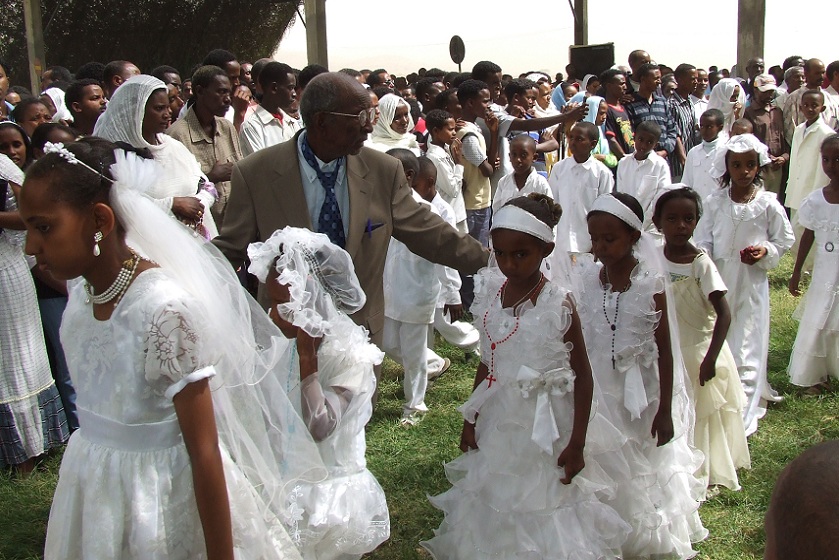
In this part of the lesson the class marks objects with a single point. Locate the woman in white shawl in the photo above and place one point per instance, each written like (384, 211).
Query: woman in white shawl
(728, 96)
(53, 98)
(137, 115)
(393, 129)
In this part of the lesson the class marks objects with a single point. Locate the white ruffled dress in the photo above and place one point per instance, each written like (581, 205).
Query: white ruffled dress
(507, 500)
(657, 492)
(815, 356)
(125, 487)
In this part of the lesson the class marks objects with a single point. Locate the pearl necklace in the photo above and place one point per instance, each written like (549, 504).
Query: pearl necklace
(116, 290)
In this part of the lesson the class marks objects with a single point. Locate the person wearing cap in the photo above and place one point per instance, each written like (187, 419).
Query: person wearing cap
(768, 123)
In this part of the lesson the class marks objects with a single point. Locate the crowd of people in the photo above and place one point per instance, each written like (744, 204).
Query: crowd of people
(608, 235)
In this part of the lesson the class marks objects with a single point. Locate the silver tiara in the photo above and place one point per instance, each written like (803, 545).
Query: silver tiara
(70, 157)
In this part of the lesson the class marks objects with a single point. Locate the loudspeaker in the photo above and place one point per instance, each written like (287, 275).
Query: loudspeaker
(592, 59)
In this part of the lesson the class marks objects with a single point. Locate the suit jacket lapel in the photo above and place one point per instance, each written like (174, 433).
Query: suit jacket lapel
(288, 187)
(359, 188)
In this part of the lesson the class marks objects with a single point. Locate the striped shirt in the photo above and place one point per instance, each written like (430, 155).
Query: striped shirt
(684, 116)
(639, 110)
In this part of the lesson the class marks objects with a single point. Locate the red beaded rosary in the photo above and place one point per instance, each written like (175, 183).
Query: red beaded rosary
(494, 344)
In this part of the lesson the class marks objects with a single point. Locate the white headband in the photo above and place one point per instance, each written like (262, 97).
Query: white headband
(611, 205)
(518, 219)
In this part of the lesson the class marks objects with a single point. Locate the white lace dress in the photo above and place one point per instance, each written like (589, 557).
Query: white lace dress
(657, 492)
(346, 515)
(815, 356)
(507, 500)
(125, 487)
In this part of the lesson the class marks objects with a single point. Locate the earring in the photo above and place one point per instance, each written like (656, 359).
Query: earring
(97, 237)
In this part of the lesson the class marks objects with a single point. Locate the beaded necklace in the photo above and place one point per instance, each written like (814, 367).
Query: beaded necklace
(735, 219)
(120, 285)
(493, 344)
(613, 323)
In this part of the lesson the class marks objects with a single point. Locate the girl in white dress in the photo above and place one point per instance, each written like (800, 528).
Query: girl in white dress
(815, 356)
(525, 485)
(703, 319)
(637, 368)
(745, 230)
(164, 464)
(313, 287)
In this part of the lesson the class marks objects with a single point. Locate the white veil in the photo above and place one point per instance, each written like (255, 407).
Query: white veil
(122, 121)
(257, 424)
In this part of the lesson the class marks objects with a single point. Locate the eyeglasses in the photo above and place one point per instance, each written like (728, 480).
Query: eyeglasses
(365, 117)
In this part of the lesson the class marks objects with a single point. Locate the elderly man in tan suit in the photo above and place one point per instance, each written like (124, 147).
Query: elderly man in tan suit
(279, 186)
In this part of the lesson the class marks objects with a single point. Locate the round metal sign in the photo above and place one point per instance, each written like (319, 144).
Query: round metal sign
(457, 49)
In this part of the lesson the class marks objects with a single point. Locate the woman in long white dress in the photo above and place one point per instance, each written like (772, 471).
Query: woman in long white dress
(138, 114)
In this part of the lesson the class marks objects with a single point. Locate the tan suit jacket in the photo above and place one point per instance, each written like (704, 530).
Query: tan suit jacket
(267, 195)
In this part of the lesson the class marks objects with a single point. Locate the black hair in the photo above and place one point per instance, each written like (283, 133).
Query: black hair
(436, 118)
(650, 127)
(92, 70)
(459, 79)
(744, 123)
(373, 79)
(205, 75)
(790, 61)
(517, 87)
(75, 184)
(526, 138)
(161, 71)
(21, 91)
(683, 69)
(42, 133)
(540, 205)
(610, 75)
(831, 69)
(832, 139)
(442, 100)
(61, 84)
(410, 162)
(5, 68)
(350, 72)
(26, 141)
(424, 86)
(449, 77)
(484, 69)
(725, 180)
(470, 89)
(683, 192)
(20, 108)
(113, 68)
(647, 68)
(590, 129)
(715, 114)
(305, 76)
(813, 92)
(274, 72)
(218, 57)
(413, 108)
(426, 166)
(76, 90)
(627, 200)
(435, 73)
(60, 74)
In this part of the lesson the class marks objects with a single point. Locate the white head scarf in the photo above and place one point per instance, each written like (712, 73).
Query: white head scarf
(739, 144)
(122, 121)
(721, 99)
(62, 113)
(385, 138)
(586, 80)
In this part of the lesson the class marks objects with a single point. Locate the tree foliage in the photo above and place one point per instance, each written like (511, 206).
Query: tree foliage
(147, 32)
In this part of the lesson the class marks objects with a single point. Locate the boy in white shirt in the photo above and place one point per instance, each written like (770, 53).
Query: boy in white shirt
(575, 182)
(449, 309)
(524, 179)
(412, 289)
(645, 174)
(444, 151)
(700, 158)
(270, 124)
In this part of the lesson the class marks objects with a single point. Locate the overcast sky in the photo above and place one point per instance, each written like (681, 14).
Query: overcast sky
(403, 35)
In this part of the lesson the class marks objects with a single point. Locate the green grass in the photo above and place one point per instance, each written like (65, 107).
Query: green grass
(408, 462)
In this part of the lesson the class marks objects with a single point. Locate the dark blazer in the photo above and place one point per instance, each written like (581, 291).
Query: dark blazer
(267, 195)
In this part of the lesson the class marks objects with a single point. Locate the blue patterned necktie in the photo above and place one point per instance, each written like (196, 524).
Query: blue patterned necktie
(329, 220)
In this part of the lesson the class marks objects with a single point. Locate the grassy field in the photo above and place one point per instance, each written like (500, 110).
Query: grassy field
(408, 462)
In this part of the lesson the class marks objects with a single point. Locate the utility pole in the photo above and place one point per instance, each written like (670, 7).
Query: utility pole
(34, 42)
(751, 19)
(316, 32)
(580, 22)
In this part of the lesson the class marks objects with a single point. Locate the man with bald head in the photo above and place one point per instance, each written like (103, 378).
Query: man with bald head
(324, 179)
(814, 72)
(636, 60)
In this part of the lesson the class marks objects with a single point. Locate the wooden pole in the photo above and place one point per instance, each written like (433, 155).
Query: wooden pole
(751, 19)
(34, 42)
(581, 22)
(316, 32)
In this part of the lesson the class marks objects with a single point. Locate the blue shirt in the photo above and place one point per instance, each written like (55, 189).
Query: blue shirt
(314, 192)
(639, 110)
